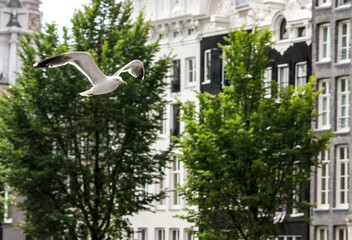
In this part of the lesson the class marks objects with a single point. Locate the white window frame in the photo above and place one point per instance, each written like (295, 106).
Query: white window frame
(342, 36)
(142, 234)
(267, 81)
(207, 66)
(191, 72)
(343, 104)
(324, 43)
(8, 205)
(283, 77)
(323, 181)
(159, 234)
(342, 3)
(175, 181)
(174, 234)
(324, 96)
(188, 235)
(342, 176)
(322, 233)
(287, 237)
(298, 76)
(161, 186)
(339, 230)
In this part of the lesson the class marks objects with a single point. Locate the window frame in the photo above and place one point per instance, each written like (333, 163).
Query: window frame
(325, 94)
(142, 234)
(191, 72)
(344, 178)
(340, 41)
(322, 43)
(267, 81)
(324, 157)
(345, 233)
(326, 4)
(175, 175)
(157, 236)
(325, 232)
(301, 77)
(177, 235)
(340, 106)
(287, 75)
(207, 67)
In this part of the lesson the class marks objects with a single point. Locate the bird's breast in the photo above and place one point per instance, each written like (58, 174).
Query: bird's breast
(105, 87)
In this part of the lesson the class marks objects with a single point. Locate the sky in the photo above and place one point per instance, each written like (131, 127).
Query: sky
(61, 11)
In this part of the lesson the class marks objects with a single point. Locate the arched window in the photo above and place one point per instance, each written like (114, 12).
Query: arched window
(283, 30)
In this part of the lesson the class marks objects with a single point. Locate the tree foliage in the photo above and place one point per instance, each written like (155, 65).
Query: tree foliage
(83, 163)
(246, 153)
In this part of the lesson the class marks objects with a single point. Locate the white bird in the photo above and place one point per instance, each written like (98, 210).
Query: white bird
(84, 62)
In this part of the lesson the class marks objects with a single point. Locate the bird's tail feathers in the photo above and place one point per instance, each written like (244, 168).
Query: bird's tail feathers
(87, 93)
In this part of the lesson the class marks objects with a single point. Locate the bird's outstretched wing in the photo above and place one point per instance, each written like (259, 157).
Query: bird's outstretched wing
(83, 61)
(135, 68)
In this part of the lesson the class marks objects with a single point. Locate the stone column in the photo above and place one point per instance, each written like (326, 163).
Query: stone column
(349, 227)
(13, 58)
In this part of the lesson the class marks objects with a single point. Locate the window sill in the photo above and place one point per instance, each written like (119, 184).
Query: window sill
(191, 85)
(297, 215)
(343, 62)
(343, 7)
(340, 209)
(322, 129)
(321, 209)
(321, 62)
(323, 7)
(175, 208)
(160, 208)
(342, 131)
(206, 82)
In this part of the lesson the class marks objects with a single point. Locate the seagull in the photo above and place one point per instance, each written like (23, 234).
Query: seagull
(84, 62)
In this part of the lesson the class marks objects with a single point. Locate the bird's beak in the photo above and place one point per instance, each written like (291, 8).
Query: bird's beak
(124, 82)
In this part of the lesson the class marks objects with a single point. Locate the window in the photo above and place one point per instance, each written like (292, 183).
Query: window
(283, 76)
(301, 32)
(207, 66)
(163, 122)
(160, 234)
(287, 237)
(341, 233)
(301, 74)
(142, 234)
(175, 181)
(324, 104)
(283, 30)
(160, 188)
(323, 181)
(7, 205)
(342, 177)
(176, 34)
(175, 234)
(267, 82)
(322, 233)
(188, 234)
(190, 31)
(175, 130)
(191, 71)
(324, 2)
(175, 82)
(344, 2)
(324, 42)
(344, 41)
(342, 104)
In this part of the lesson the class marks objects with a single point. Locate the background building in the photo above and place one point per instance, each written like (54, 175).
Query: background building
(331, 63)
(16, 18)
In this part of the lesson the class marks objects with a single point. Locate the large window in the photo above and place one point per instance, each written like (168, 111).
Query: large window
(341, 233)
(160, 234)
(267, 81)
(324, 104)
(142, 234)
(344, 41)
(342, 177)
(342, 104)
(191, 71)
(175, 181)
(301, 74)
(283, 75)
(323, 181)
(175, 234)
(324, 42)
(322, 233)
(283, 30)
(207, 66)
(176, 81)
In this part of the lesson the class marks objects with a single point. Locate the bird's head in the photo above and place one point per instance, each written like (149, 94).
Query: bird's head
(120, 81)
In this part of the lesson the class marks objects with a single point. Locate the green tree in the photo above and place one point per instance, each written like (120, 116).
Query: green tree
(83, 163)
(245, 153)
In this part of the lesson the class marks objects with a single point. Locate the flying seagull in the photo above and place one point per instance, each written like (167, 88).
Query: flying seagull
(84, 62)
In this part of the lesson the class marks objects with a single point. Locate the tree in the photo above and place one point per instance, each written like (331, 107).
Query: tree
(83, 163)
(245, 153)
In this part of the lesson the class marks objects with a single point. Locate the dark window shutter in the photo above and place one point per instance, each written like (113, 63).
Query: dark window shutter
(216, 68)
